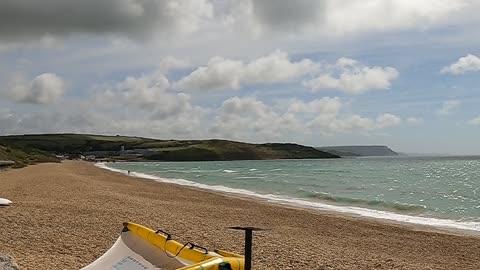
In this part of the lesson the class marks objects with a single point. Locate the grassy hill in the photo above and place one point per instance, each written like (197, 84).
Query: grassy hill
(24, 156)
(166, 150)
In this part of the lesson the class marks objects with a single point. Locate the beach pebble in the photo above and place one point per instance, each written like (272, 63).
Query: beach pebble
(7, 262)
(5, 202)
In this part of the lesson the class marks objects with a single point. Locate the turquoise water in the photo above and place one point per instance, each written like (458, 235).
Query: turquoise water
(425, 190)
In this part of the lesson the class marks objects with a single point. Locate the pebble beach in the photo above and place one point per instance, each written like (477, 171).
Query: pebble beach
(66, 215)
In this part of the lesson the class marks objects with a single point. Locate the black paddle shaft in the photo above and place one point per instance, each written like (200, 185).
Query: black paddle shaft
(248, 243)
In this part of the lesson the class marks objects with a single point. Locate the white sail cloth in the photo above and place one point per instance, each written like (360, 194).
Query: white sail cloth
(130, 252)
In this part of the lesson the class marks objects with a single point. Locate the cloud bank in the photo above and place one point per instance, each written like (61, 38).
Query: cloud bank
(23, 20)
(342, 17)
(49, 20)
(346, 75)
(223, 73)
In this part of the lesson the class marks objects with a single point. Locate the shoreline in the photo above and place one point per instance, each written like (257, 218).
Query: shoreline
(389, 217)
(66, 215)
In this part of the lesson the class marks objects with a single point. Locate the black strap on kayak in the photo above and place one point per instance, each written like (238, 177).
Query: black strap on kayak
(192, 246)
(169, 236)
(174, 256)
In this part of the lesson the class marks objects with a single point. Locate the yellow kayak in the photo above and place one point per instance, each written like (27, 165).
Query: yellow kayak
(141, 248)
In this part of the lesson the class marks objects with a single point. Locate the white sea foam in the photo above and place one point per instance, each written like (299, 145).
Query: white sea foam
(365, 212)
(229, 171)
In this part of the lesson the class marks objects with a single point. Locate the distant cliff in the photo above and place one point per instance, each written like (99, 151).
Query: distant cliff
(359, 150)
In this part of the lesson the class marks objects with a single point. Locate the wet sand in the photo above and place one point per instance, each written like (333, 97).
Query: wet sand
(66, 215)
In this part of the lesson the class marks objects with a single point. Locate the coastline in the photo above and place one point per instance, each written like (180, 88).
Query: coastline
(66, 215)
(429, 223)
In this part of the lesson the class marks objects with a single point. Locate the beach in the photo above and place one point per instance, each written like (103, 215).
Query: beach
(66, 215)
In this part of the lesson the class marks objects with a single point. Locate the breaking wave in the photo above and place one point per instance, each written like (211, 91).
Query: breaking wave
(396, 206)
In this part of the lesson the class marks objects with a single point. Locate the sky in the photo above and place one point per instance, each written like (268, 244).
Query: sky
(402, 73)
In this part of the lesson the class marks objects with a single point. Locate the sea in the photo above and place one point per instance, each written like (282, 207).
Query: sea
(442, 192)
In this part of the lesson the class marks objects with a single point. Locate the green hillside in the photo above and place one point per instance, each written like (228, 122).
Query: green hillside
(24, 156)
(166, 150)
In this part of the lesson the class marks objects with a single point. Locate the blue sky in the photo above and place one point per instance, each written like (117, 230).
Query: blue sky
(400, 73)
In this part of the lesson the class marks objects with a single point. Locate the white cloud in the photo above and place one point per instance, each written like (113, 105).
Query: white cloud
(246, 117)
(91, 117)
(414, 120)
(149, 93)
(475, 121)
(43, 89)
(332, 124)
(448, 106)
(346, 75)
(469, 63)
(146, 18)
(171, 63)
(353, 77)
(223, 73)
(146, 90)
(276, 67)
(373, 15)
(387, 120)
(218, 74)
(325, 116)
(324, 106)
(339, 123)
(142, 106)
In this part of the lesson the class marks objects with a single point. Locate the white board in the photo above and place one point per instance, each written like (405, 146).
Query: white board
(5, 202)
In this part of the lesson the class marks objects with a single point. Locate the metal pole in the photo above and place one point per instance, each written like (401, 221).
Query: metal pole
(248, 244)
(248, 249)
